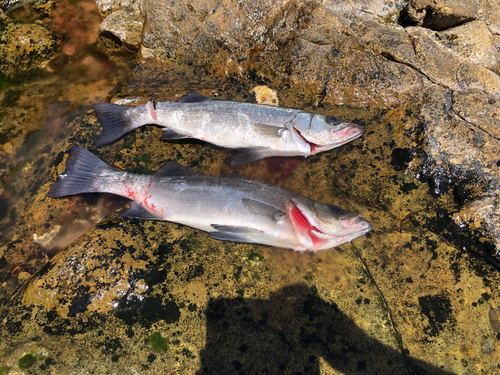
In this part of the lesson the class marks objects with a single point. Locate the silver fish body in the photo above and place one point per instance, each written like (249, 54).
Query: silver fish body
(257, 130)
(230, 208)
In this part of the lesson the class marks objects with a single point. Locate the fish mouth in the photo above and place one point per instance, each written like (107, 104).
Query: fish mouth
(340, 136)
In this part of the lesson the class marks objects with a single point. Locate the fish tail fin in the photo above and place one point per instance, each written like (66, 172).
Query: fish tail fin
(82, 168)
(118, 120)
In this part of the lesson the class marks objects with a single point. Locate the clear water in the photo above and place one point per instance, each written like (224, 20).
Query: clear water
(111, 282)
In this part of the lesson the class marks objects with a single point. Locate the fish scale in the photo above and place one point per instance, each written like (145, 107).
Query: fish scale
(229, 208)
(256, 130)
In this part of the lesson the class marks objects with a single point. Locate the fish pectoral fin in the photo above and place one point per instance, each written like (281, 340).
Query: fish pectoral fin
(234, 229)
(193, 97)
(172, 134)
(233, 233)
(247, 155)
(172, 168)
(269, 130)
(137, 211)
(263, 209)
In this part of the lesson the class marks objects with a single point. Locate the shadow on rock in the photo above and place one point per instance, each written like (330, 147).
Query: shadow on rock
(288, 334)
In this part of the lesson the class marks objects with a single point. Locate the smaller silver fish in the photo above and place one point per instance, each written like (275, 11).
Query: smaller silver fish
(231, 208)
(256, 130)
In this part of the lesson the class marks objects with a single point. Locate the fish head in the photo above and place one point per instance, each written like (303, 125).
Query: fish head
(321, 226)
(325, 132)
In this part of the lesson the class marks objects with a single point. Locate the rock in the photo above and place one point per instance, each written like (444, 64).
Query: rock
(389, 41)
(306, 33)
(124, 26)
(106, 7)
(444, 68)
(110, 259)
(460, 133)
(379, 10)
(418, 48)
(26, 47)
(440, 14)
(490, 13)
(473, 41)
(480, 110)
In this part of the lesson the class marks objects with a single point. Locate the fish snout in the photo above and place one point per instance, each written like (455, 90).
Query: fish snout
(356, 223)
(349, 131)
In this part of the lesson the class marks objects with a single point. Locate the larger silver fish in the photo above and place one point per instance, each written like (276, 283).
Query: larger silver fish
(228, 208)
(257, 130)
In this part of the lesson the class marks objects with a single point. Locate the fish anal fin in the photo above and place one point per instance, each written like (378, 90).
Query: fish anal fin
(137, 211)
(172, 168)
(249, 155)
(263, 209)
(193, 97)
(170, 134)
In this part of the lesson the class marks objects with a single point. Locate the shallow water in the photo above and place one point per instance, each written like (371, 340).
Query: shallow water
(400, 292)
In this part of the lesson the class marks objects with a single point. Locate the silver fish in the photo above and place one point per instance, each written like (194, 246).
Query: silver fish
(231, 208)
(257, 130)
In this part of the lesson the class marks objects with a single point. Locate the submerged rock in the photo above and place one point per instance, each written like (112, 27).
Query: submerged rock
(26, 47)
(425, 173)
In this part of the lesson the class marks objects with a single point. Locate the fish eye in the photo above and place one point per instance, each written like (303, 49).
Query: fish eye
(332, 120)
(336, 210)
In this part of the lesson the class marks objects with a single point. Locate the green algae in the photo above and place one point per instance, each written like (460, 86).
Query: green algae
(392, 17)
(158, 342)
(26, 361)
(253, 258)
(3, 370)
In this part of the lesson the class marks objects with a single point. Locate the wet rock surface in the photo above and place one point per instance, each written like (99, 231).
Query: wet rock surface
(124, 26)
(84, 289)
(26, 48)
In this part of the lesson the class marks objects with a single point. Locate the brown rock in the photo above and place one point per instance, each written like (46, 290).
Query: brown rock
(106, 7)
(473, 41)
(441, 14)
(461, 136)
(366, 10)
(441, 66)
(389, 41)
(124, 26)
(490, 13)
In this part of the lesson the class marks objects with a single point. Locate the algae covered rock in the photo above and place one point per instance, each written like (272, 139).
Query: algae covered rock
(26, 47)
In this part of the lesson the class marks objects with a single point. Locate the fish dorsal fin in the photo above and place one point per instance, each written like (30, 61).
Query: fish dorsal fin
(137, 211)
(172, 168)
(193, 97)
(263, 209)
